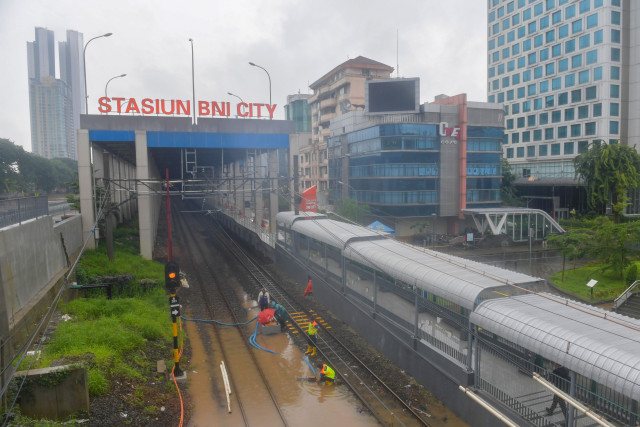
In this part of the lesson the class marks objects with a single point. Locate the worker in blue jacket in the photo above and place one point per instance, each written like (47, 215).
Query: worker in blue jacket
(281, 314)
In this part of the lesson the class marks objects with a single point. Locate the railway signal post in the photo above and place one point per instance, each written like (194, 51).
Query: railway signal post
(172, 283)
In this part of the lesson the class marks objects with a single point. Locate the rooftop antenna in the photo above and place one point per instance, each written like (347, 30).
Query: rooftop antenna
(397, 55)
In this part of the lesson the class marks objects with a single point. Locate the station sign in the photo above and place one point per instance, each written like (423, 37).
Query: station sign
(180, 107)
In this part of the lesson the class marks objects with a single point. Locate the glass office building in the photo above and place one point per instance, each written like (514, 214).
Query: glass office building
(442, 160)
(563, 71)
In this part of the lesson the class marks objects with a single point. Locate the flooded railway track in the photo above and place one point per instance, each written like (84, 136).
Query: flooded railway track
(383, 403)
(257, 403)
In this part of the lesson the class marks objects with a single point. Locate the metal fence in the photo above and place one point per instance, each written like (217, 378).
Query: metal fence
(15, 211)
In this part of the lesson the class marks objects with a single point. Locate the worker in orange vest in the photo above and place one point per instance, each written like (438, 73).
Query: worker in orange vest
(309, 289)
(327, 374)
(312, 330)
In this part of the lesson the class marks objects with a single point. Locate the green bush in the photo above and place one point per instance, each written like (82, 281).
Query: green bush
(98, 383)
(631, 274)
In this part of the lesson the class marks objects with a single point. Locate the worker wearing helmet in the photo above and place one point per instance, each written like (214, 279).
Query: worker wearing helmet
(312, 330)
(327, 374)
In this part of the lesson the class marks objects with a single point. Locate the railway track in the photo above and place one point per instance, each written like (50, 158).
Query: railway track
(383, 403)
(220, 302)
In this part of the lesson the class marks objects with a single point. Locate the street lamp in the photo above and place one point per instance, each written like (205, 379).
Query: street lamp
(107, 85)
(233, 94)
(84, 66)
(256, 65)
(193, 83)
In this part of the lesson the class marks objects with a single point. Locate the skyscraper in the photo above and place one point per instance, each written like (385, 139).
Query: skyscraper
(55, 104)
(567, 74)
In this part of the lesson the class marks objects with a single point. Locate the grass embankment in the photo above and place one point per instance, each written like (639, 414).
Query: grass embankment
(113, 337)
(575, 282)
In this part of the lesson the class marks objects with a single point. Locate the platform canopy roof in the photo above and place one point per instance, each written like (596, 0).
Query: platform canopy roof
(598, 344)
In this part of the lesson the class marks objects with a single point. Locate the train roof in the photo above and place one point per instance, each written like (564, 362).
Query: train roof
(599, 344)
(456, 279)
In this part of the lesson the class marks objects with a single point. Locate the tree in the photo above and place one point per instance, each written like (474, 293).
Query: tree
(508, 189)
(609, 172)
(616, 244)
(574, 244)
(353, 210)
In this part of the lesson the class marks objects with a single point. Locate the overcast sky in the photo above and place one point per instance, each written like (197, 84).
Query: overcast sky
(441, 41)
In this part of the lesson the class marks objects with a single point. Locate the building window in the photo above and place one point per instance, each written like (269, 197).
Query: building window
(614, 109)
(563, 98)
(562, 132)
(569, 46)
(563, 31)
(548, 134)
(576, 61)
(592, 57)
(532, 27)
(520, 151)
(556, 50)
(526, 136)
(615, 18)
(515, 49)
(569, 80)
(615, 54)
(585, 6)
(583, 112)
(550, 68)
(520, 122)
(522, 31)
(537, 42)
(576, 95)
(521, 92)
(556, 116)
(583, 77)
(569, 114)
(549, 101)
(510, 95)
(542, 150)
(597, 110)
(575, 130)
(531, 59)
(563, 65)
(531, 120)
(615, 36)
(537, 72)
(613, 127)
(515, 79)
(598, 37)
(509, 124)
(592, 21)
(515, 108)
(590, 128)
(568, 148)
(509, 153)
(543, 118)
(615, 73)
(555, 149)
(570, 11)
(537, 104)
(556, 17)
(531, 89)
(584, 41)
(583, 147)
(515, 138)
(576, 26)
(544, 86)
(556, 83)
(615, 91)
(531, 152)
(590, 93)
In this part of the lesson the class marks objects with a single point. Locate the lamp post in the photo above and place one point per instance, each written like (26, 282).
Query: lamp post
(193, 83)
(84, 66)
(256, 65)
(433, 230)
(107, 85)
(233, 94)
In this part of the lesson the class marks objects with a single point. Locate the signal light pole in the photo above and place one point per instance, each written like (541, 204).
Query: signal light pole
(172, 283)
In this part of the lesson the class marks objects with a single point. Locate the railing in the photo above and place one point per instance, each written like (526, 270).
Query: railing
(625, 295)
(15, 211)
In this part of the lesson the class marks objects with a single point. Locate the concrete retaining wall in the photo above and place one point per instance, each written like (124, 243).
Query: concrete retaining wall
(32, 260)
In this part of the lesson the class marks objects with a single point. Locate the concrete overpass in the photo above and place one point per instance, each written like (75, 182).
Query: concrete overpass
(123, 163)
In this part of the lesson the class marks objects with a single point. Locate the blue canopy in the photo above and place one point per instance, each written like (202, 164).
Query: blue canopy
(380, 227)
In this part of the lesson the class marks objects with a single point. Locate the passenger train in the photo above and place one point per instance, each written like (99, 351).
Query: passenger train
(454, 322)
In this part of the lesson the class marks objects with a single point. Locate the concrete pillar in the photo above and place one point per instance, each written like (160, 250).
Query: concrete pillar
(146, 223)
(274, 182)
(85, 180)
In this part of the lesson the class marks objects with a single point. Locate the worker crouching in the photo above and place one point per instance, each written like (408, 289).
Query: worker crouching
(281, 315)
(327, 374)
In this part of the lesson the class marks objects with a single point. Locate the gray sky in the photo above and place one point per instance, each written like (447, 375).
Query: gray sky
(441, 41)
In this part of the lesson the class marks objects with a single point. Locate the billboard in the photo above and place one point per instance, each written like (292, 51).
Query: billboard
(392, 96)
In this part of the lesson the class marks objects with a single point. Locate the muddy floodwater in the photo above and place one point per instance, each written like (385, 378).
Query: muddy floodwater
(303, 402)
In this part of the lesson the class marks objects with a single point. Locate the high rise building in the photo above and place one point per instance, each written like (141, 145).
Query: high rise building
(567, 74)
(334, 93)
(55, 104)
(297, 109)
